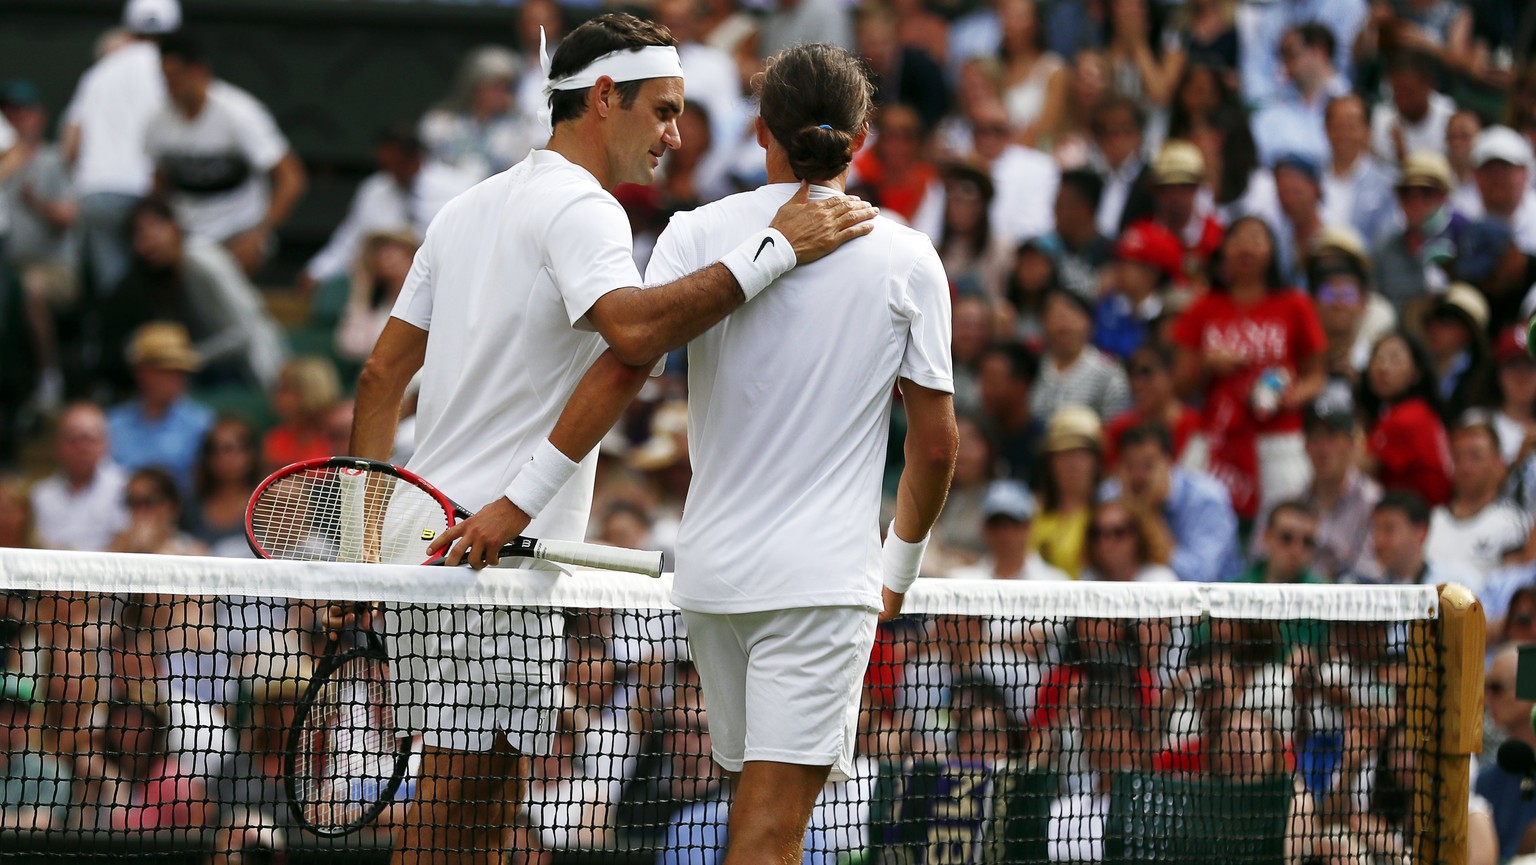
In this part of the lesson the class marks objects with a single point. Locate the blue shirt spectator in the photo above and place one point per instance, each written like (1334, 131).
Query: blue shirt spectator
(1292, 120)
(1261, 25)
(161, 425)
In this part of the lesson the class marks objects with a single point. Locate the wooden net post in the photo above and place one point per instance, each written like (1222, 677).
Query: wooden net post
(1446, 714)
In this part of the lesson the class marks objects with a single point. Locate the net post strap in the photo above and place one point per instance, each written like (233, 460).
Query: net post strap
(1452, 724)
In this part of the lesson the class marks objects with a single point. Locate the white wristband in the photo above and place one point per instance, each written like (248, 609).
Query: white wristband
(900, 561)
(541, 477)
(759, 260)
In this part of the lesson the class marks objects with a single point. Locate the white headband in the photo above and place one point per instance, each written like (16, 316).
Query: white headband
(652, 61)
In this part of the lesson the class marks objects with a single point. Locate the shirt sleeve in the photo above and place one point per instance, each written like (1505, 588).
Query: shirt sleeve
(589, 253)
(414, 305)
(927, 360)
(260, 138)
(1185, 331)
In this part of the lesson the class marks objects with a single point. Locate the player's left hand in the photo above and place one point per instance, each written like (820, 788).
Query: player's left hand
(478, 540)
(893, 602)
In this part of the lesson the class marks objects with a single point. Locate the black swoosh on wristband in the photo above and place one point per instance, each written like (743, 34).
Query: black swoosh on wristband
(767, 242)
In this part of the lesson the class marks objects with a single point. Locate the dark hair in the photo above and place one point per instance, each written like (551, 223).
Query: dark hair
(1391, 797)
(203, 477)
(1371, 405)
(1021, 363)
(1272, 279)
(153, 206)
(1239, 152)
(1414, 62)
(620, 507)
(164, 484)
(1292, 506)
(1112, 104)
(1031, 302)
(815, 99)
(1084, 183)
(183, 48)
(402, 135)
(1072, 298)
(1315, 35)
(605, 34)
(1180, 123)
(1147, 433)
(1160, 354)
(1478, 419)
(976, 243)
(1409, 504)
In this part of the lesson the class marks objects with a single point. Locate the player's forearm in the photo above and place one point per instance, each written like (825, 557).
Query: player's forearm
(608, 388)
(381, 387)
(641, 325)
(932, 441)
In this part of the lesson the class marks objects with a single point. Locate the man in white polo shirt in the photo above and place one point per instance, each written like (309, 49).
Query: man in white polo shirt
(780, 568)
(498, 313)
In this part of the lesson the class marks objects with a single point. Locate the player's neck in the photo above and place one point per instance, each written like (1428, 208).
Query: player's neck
(581, 149)
(780, 172)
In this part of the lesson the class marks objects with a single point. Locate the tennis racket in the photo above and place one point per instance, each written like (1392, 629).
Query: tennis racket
(348, 509)
(345, 760)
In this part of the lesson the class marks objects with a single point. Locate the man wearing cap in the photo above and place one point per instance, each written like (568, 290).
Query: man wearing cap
(1517, 389)
(35, 789)
(1502, 161)
(1292, 122)
(1007, 514)
(160, 425)
(1357, 187)
(1352, 314)
(104, 128)
(1417, 260)
(1175, 178)
(1455, 327)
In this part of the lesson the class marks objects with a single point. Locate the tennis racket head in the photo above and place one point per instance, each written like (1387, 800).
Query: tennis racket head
(347, 509)
(344, 759)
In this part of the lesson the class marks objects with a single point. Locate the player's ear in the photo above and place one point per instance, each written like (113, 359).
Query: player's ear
(763, 135)
(860, 136)
(604, 96)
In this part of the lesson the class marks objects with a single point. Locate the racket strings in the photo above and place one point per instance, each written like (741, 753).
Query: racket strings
(348, 747)
(342, 514)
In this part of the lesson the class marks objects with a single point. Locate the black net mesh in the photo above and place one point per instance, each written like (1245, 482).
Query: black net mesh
(156, 725)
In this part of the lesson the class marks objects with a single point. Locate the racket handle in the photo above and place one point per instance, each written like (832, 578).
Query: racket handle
(608, 558)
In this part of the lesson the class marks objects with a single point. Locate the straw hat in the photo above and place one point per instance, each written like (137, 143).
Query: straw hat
(1425, 168)
(163, 345)
(1071, 427)
(1178, 162)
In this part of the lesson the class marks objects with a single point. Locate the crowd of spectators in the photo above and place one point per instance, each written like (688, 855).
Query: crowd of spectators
(1239, 294)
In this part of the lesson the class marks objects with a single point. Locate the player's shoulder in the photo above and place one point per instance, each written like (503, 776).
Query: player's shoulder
(234, 98)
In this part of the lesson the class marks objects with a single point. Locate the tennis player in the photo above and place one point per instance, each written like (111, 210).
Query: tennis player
(524, 286)
(780, 569)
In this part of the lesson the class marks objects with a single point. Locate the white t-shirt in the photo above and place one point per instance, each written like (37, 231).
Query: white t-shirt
(789, 406)
(1026, 182)
(7, 141)
(1478, 543)
(112, 106)
(502, 284)
(216, 163)
(84, 520)
(380, 204)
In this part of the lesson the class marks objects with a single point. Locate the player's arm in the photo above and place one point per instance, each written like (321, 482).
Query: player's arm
(642, 324)
(381, 387)
(932, 441)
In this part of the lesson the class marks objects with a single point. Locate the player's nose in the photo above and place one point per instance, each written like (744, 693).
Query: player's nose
(671, 136)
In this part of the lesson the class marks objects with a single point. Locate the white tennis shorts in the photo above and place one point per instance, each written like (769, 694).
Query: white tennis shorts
(783, 685)
(459, 675)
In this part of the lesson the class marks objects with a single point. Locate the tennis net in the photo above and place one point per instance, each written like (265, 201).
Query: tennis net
(145, 701)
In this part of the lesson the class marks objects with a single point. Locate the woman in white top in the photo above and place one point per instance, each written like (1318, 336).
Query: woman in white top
(1034, 79)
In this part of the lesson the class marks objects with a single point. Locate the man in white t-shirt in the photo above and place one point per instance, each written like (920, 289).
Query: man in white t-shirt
(498, 314)
(1478, 527)
(82, 505)
(103, 137)
(220, 157)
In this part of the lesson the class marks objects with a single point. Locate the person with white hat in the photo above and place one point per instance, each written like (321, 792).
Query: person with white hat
(104, 129)
(1502, 162)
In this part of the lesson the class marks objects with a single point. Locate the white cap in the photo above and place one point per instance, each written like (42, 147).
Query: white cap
(152, 17)
(1503, 144)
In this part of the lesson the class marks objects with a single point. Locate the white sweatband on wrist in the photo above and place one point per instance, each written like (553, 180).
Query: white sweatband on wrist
(541, 477)
(759, 260)
(900, 561)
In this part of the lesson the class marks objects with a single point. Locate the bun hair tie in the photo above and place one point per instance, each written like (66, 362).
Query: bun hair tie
(825, 126)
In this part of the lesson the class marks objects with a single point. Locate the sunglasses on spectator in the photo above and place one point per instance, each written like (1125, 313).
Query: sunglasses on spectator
(137, 502)
(1288, 538)
(1111, 530)
(1338, 292)
(1522, 621)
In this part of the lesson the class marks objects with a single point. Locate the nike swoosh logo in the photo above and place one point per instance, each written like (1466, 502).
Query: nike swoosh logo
(767, 242)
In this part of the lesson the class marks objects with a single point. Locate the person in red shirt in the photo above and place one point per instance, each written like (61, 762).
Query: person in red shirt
(1406, 448)
(1150, 370)
(894, 167)
(306, 389)
(1254, 349)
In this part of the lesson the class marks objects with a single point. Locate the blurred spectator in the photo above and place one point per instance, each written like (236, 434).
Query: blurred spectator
(35, 787)
(1074, 440)
(406, 192)
(1254, 349)
(900, 73)
(957, 536)
(18, 521)
(1399, 528)
(1412, 262)
(1205, 36)
(253, 801)
(975, 256)
(673, 785)
(1261, 26)
(196, 282)
(220, 157)
(1127, 545)
(1072, 371)
(477, 128)
(154, 515)
(380, 273)
(227, 473)
(146, 787)
(1071, 142)
(1298, 186)
(306, 389)
(1196, 510)
(1352, 314)
(1513, 813)
(1515, 414)
(896, 168)
(805, 21)
(1502, 162)
(1114, 741)
(1357, 186)
(1477, 530)
(160, 425)
(1133, 51)
(1406, 445)
(1135, 289)
(1179, 205)
(1461, 133)
(716, 87)
(1455, 327)
(686, 177)
(1415, 117)
(625, 524)
(983, 730)
(1034, 79)
(80, 506)
(104, 128)
(1116, 156)
(1200, 93)
(972, 324)
(1083, 249)
(1005, 373)
(1292, 122)
(1240, 184)
(1441, 29)
(1007, 515)
(38, 198)
(1025, 178)
(1150, 370)
(1034, 274)
(1290, 544)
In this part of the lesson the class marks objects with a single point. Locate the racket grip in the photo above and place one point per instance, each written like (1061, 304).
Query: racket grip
(646, 562)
